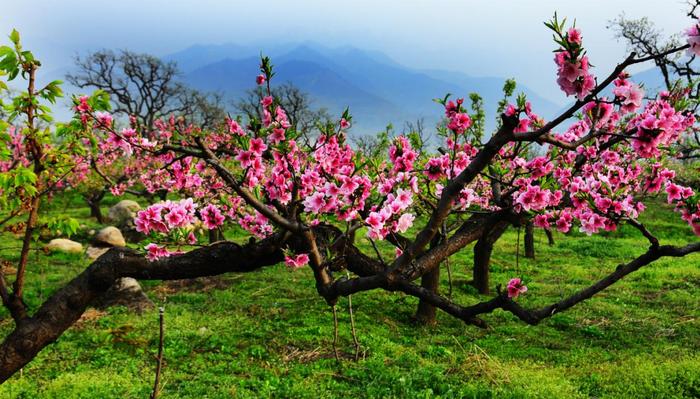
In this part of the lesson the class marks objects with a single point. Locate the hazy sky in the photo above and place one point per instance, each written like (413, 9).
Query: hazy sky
(492, 38)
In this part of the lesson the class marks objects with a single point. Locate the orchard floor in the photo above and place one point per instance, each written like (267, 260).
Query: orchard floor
(267, 334)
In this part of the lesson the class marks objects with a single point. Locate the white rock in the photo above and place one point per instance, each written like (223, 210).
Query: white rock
(110, 236)
(64, 245)
(123, 212)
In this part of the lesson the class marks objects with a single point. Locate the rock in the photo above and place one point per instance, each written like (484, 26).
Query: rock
(123, 213)
(64, 245)
(109, 237)
(126, 292)
(95, 252)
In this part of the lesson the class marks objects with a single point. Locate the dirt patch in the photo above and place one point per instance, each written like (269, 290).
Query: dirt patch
(201, 284)
(88, 317)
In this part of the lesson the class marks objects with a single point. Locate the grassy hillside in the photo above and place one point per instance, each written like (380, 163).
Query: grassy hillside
(267, 333)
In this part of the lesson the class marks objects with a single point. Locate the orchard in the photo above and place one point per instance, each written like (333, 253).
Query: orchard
(390, 220)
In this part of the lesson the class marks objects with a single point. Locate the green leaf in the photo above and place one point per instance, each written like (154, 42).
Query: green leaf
(14, 36)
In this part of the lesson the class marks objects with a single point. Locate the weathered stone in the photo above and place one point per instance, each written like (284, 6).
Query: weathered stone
(123, 212)
(95, 252)
(126, 292)
(64, 245)
(109, 236)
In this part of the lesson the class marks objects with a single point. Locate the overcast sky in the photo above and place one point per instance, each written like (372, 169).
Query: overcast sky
(483, 38)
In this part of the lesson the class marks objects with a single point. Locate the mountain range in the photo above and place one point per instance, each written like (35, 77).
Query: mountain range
(377, 89)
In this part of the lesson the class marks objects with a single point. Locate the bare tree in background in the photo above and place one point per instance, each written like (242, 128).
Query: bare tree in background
(296, 103)
(145, 87)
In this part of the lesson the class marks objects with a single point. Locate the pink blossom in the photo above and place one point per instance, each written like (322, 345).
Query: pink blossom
(212, 217)
(693, 36)
(315, 202)
(83, 105)
(257, 146)
(405, 222)
(260, 79)
(234, 127)
(631, 96)
(176, 217)
(155, 252)
(574, 36)
(516, 288)
(297, 261)
(459, 123)
(674, 192)
(104, 118)
(375, 220)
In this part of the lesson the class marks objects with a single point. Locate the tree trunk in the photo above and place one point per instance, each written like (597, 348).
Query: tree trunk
(66, 306)
(94, 200)
(96, 212)
(425, 313)
(482, 259)
(215, 236)
(530, 240)
(482, 256)
(550, 237)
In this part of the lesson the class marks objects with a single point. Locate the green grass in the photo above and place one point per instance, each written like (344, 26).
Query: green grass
(267, 333)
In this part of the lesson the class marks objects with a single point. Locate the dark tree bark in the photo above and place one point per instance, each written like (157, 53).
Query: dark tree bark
(482, 256)
(550, 237)
(64, 308)
(529, 240)
(425, 313)
(215, 236)
(94, 200)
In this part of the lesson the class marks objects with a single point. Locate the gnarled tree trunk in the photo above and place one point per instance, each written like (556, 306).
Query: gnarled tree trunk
(482, 256)
(93, 201)
(529, 239)
(425, 314)
(550, 237)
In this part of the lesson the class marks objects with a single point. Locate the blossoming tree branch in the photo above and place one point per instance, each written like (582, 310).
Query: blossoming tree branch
(303, 200)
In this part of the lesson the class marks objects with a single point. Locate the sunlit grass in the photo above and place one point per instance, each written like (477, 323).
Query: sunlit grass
(267, 333)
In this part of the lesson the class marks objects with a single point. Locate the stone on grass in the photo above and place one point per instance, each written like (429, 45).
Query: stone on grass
(64, 245)
(125, 292)
(109, 237)
(123, 212)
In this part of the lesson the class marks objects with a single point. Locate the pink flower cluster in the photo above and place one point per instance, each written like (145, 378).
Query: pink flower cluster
(391, 217)
(155, 252)
(165, 216)
(402, 155)
(629, 95)
(211, 217)
(330, 184)
(534, 198)
(658, 125)
(573, 76)
(458, 120)
(693, 36)
(297, 261)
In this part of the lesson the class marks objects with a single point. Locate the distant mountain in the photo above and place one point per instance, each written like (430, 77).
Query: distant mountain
(377, 89)
(652, 79)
